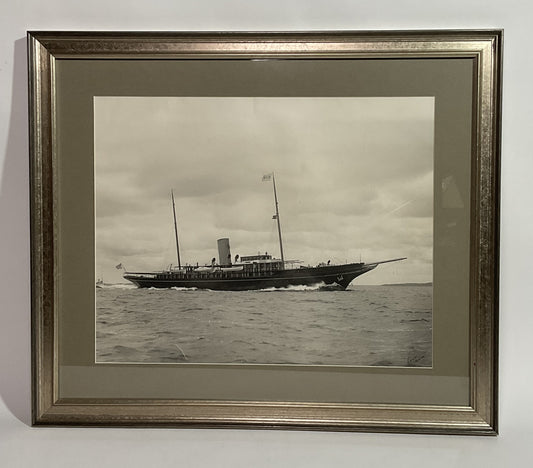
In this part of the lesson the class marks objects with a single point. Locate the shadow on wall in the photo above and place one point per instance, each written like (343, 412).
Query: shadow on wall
(14, 250)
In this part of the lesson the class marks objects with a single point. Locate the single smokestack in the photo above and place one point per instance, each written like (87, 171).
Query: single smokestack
(224, 253)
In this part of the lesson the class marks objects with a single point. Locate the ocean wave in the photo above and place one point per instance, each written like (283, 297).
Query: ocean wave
(174, 288)
(117, 286)
(306, 327)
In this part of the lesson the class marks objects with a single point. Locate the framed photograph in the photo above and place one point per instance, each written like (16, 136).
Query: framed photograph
(269, 230)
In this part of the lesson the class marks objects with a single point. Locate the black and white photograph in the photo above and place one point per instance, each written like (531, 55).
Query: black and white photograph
(264, 230)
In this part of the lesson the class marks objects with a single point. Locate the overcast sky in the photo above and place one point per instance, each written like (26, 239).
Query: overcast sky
(354, 179)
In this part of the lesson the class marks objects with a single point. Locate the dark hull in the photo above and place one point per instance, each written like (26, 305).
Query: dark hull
(340, 275)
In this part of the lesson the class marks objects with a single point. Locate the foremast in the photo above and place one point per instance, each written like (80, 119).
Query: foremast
(176, 229)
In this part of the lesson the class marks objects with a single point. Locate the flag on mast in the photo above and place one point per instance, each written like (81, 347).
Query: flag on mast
(267, 177)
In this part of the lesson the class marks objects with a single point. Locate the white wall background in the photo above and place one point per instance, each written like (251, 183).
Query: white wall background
(23, 446)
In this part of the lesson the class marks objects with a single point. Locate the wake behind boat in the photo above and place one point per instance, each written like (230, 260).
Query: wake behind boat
(250, 272)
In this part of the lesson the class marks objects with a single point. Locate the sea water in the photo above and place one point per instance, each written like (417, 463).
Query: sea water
(362, 326)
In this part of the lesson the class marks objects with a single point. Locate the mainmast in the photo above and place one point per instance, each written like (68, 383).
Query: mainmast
(276, 216)
(176, 229)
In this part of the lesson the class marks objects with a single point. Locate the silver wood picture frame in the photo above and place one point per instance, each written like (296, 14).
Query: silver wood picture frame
(456, 394)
